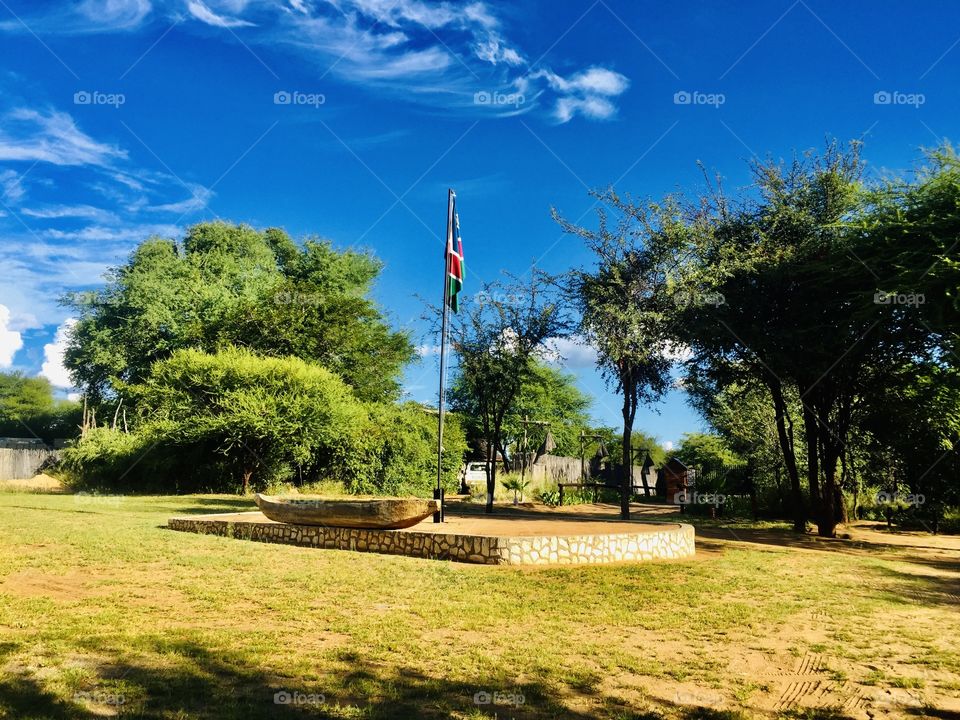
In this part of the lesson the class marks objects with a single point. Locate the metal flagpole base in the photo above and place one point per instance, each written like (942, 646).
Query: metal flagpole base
(439, 494)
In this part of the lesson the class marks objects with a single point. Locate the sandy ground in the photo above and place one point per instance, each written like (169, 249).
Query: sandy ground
(508, 522)
(38, 483)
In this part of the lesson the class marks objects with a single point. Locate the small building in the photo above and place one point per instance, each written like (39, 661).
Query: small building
(673, 479)
(646, 480)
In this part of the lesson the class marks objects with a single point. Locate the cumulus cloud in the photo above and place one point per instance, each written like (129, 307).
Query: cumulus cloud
(53, 368)
(589, 93)
(10, 340)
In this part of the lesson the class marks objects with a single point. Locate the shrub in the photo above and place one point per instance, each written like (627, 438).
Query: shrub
(101, 458)
(405, 438)
(263, 416)
(235, 420)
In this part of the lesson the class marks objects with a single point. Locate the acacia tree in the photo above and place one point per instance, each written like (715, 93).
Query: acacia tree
(498, 336)
(625, 302)
(227, 284)
(800, 314)
(548, 395)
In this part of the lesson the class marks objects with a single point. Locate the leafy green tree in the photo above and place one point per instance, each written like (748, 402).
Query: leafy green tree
(233, 285)
(497, 341)
(914, 430)
(644, 443)
(742, 415)
(549, 395)
(552, 396)
(798, 314)
(624, 305)
(705, 450)
(28, 408)
(404, 460)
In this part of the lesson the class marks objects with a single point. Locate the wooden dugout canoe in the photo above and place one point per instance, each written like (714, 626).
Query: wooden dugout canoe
(374, 513)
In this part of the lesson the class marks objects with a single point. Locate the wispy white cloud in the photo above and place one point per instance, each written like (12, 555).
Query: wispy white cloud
(51, 245)
(204, 14)
(432, 52)
(589, 93)
(11, 186)
(56, 212)
(573, 353)
(51, 137)
(87, 16)
(427, 350)
(200, 196)
(115, 14)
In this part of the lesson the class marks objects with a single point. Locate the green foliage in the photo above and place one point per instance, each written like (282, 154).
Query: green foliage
(405, 438)
(107, 458)
(517, 486)
(547, 394)
(28, 409)
(625, 304)
(230, 284)
(705, 450)
(264, 415)
(643, 443)
(497, 342)
(550, 497)
(233, 419)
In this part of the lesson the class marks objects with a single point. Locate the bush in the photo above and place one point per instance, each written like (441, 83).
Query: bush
(101, 458)
(404, 440)
(235, 420)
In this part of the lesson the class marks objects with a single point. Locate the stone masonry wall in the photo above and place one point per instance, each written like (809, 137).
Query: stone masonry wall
(673, 542)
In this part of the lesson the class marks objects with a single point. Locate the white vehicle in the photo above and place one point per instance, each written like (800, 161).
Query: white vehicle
(475, 473)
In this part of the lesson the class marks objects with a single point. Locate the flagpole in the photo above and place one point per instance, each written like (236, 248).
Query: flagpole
(438, 492)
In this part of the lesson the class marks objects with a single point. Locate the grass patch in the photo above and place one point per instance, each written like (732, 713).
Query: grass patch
(104, 611)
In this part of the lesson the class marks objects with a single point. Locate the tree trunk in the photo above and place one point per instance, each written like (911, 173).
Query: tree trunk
(627, 465)
(503, 456)
(812, 431)
(492, 444)
(789, 459)
(831, 499)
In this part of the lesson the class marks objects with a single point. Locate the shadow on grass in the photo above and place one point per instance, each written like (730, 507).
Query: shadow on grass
(927, 589)
(195, 682)
(201, 506)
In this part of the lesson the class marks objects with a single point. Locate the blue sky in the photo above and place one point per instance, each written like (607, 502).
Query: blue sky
(349, 119)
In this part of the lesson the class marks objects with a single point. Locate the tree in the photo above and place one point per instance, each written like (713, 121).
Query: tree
(742, 414)
(705, 450)
(799, 312)
(232, 285)
(549, 395)
(624, 305)
(263, 415)
(28, 408)
(497, 341)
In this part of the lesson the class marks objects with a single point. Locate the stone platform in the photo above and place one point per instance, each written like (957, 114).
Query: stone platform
(535, 537)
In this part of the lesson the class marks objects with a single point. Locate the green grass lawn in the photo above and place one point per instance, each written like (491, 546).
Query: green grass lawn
(105, 612)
